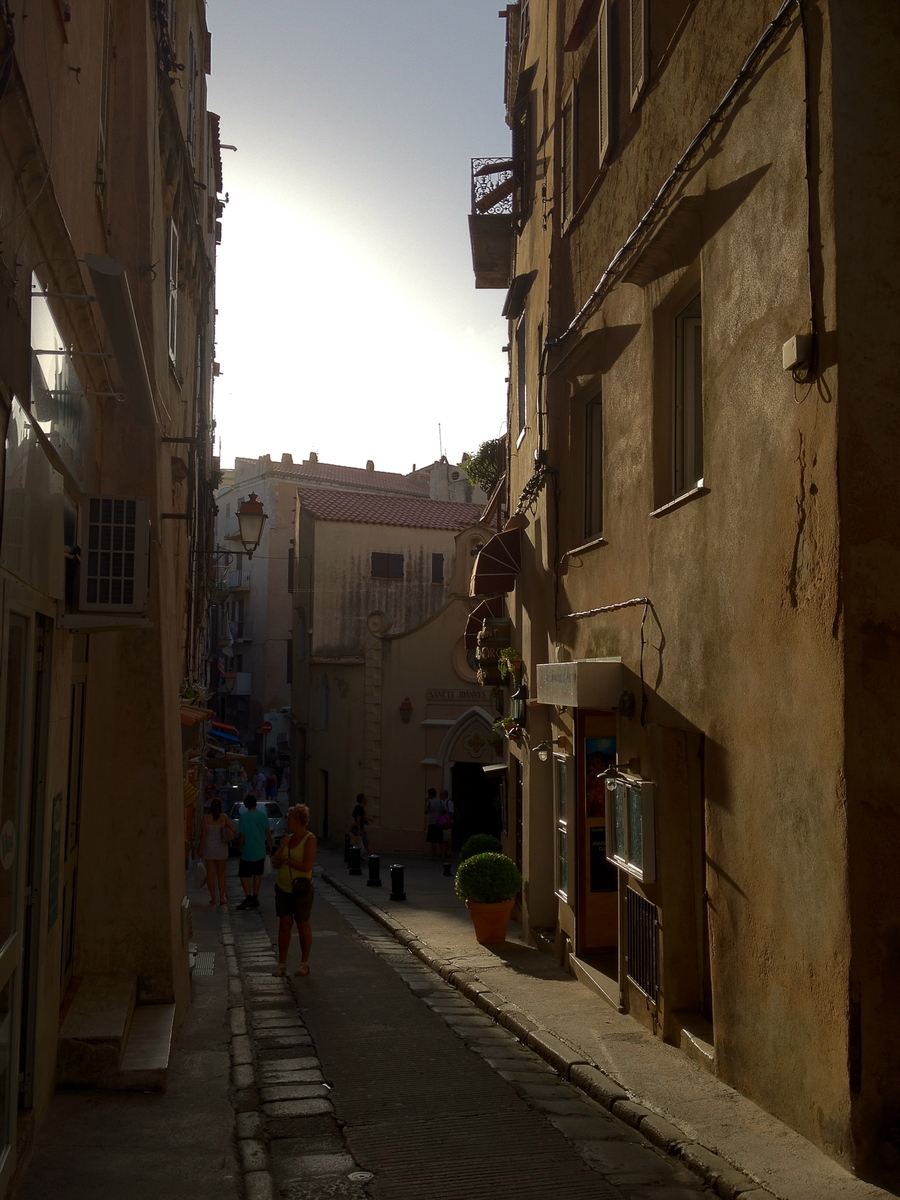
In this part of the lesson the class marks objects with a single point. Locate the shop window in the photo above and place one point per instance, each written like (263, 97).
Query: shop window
(387, 566)
(631, 826)
(563, 796)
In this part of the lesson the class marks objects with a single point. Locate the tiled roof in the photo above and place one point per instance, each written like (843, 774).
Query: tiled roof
(417, 512)
(383, 481)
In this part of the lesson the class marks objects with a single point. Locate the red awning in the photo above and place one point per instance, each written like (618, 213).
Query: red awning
(497, 565)
(487, 608)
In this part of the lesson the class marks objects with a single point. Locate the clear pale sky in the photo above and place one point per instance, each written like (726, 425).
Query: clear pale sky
(349, 323)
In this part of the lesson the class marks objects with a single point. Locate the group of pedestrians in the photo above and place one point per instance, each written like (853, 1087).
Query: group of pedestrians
(293, 861)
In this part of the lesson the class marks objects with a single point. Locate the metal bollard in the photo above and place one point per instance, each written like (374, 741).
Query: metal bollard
(397, 892)
(374, 879)
(355, 860)
(347, 845)
(447, 869)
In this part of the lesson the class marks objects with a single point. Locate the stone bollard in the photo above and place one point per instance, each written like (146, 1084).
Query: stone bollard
(374, 879)
(397, 892)
(355, 860)
(448, 871)
(347, 844)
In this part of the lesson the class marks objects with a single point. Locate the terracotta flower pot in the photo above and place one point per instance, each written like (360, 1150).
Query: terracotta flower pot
(490, 920)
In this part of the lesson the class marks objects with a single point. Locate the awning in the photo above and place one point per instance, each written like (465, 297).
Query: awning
(226, 737)
(191, 714)
(228, 728)
(497, 565)
(487, 608)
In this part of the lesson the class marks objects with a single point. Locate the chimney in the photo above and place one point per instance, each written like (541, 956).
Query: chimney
(287, 460)
(313, 457)
(370, 466)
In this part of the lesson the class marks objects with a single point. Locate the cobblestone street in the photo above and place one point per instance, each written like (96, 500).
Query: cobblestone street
(375, 1077)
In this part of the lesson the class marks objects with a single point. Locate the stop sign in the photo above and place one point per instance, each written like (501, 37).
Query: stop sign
(266, 727)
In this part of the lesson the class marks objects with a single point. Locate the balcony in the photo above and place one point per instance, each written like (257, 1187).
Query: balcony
(491, 221)
(241, 683)
(239, 580)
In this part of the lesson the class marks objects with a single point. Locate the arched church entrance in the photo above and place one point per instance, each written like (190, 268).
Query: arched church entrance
(465, 752)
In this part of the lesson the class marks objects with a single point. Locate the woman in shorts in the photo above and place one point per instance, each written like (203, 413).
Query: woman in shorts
(294, 860)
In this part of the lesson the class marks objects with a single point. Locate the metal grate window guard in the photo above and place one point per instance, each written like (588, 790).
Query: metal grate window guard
(642, 945)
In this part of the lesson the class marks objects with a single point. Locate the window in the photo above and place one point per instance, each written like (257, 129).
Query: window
(638, 48)
(593, 468)
(192, 97)
(521, 368)
(631, 845)
(688, 409)
(387, 566)
(172, 287)
(604, 90)
(290, 569)
(567, 159)
(437, 568)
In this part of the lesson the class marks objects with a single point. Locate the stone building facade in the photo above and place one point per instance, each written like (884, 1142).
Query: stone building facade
(110, 178)
(696, 228)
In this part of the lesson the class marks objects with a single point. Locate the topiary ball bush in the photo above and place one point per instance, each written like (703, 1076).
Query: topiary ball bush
(488, 879)
(480, 843)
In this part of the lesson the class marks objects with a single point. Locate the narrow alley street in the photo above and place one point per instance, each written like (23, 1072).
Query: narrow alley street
(430, 1092)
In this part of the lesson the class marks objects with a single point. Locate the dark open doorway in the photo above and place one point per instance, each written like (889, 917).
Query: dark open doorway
(476, 799)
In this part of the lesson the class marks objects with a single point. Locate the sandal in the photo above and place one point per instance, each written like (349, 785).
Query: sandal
(280, 970)
(303, 969)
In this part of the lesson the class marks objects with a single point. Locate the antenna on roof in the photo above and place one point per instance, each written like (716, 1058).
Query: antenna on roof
(440, 444)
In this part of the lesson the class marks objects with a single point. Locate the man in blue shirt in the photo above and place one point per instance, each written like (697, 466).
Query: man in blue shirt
(255, 842)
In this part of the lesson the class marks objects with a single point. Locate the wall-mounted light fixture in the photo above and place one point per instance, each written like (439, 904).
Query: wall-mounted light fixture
(229, 679)
(252, 518)
(406, 710)
(544, 749)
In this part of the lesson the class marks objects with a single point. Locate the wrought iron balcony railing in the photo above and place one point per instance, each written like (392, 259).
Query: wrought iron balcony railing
(493, 186)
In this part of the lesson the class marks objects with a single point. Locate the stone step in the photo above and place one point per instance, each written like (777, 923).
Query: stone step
(145, 1061)
(96, 1026)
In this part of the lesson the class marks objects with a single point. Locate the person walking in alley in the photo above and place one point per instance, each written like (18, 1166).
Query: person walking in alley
(255, 841)
(445, 820)
(359, 821)
(214, 848)
(434, 834)
(294, 887)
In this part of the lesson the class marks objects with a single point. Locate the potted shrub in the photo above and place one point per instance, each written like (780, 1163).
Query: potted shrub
(480, 843)
(489, 884)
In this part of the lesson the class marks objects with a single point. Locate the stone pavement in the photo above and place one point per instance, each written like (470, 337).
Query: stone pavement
(372, 1077)
(709, 1124)
(174, 1145)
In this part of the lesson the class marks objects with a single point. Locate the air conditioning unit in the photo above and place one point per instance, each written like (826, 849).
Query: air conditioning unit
(114, 537)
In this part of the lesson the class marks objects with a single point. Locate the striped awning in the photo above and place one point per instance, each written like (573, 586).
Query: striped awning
(497, 565)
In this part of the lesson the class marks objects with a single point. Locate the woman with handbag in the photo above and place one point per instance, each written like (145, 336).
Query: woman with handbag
(294, 887)
(215, 835)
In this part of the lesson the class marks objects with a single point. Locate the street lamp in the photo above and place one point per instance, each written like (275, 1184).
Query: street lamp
(406, 710)
(251, 521)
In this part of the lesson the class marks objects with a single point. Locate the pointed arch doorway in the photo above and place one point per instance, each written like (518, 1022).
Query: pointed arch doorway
(476, 794)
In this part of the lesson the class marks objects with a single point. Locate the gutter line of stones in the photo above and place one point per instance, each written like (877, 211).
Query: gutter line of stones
(729, 1182)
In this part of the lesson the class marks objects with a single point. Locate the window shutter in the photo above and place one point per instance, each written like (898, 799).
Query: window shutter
(437, 568)
(172, 283)
(603, 80)
(567, 171)
(638, 49)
